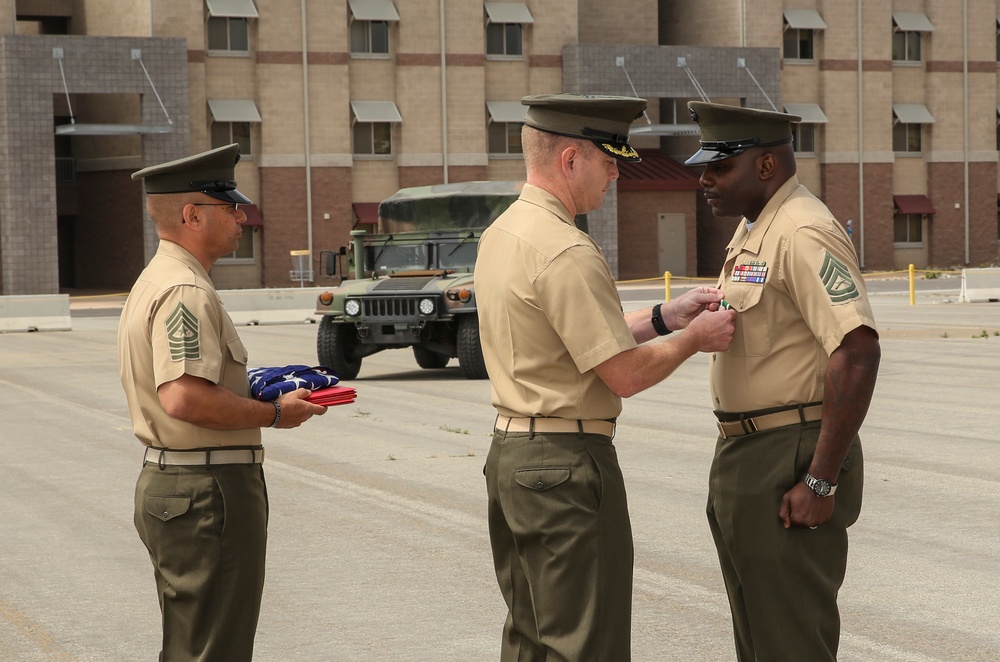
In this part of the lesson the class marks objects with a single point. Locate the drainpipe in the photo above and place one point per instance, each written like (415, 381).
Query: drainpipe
(444, 96)
(306, 152)
(965, 124)
(861, 146)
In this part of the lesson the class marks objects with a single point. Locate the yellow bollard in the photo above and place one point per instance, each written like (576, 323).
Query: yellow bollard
(912, 287)
(666, 285)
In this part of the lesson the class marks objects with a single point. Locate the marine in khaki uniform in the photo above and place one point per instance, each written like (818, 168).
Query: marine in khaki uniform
(790, 394)
(560, 356)
(200, 500)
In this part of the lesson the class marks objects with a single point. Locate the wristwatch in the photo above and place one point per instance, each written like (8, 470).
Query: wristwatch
(657, 319)
(821, 487)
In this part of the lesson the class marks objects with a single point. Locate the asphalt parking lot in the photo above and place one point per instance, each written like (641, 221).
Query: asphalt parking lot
(378, 549)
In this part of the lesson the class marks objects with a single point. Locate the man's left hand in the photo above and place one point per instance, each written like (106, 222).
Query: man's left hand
(677, 314)
(801, 507)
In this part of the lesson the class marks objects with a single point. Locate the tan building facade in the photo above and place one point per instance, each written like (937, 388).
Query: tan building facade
(902, 99)
(338, 103)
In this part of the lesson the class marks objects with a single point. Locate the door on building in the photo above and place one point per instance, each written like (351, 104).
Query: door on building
(66, 238)
(672, 236)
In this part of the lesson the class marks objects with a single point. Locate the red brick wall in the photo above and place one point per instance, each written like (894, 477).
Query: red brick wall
(638, 231)
(109, 230)
(283, 205)
(840, 193)
(946, 229)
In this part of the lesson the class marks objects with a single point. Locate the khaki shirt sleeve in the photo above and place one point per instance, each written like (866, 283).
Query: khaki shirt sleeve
(822, 277)
(185, 335)
(578, 296)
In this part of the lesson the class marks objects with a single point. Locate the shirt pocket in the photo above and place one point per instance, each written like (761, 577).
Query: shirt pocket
(753, 329)
(166, 508)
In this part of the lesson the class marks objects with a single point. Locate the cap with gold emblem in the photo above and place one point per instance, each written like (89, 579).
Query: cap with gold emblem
(730, 130)
(211, 173)
(604, 120)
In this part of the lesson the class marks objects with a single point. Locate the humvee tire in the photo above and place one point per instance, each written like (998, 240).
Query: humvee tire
(468, 348)
(428, 359)
(335, 348)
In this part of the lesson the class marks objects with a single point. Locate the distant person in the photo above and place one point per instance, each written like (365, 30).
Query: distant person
(200, 501)
(790, 394)
(561, 356)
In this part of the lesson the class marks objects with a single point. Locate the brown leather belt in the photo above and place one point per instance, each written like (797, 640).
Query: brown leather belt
(543, 425)
(164, 457)
(748, 424)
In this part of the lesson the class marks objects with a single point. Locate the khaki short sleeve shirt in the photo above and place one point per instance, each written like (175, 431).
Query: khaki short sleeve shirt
(795, 283)
(173, 324)
(548, 313)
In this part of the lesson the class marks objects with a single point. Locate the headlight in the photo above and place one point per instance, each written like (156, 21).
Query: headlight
(352, 307)
(427, 306)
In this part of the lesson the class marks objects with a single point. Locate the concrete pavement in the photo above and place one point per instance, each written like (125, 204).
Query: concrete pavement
(378, 548)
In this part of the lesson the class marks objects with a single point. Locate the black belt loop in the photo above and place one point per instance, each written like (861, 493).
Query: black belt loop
(208, 457)
(802, 415)
(579, 427)
(159, 461)
(531, 428)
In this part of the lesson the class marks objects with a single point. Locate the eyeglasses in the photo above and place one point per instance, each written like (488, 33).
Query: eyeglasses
(234, 205)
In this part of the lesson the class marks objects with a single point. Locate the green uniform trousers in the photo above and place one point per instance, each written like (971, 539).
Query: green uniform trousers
(562, 547)
(782, 583)
(206, 532)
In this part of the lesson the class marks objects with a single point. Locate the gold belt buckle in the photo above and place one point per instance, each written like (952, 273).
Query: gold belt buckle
(722, 429)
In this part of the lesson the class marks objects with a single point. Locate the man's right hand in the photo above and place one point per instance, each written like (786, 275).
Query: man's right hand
(296, 410)
(713, 329)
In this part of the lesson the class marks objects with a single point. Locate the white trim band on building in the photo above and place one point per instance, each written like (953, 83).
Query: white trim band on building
(912, 21)
(506, 111)
(809, 112)
(912, 113)
(375, 111)
(231, 9)
(508, 12)
(373, 10)
(233, 110)
(804, 19)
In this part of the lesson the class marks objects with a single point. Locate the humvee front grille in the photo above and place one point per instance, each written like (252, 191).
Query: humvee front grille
(388, 307)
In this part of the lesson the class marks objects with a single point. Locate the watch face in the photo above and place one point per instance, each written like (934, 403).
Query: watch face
(822, 487)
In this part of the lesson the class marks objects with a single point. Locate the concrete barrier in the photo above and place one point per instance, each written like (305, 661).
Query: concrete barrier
(35, 312)
(272, 306)
(980, 285)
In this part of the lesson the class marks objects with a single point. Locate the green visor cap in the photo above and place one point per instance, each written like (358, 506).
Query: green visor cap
(211, 173)
(604, 120)
(730, 130)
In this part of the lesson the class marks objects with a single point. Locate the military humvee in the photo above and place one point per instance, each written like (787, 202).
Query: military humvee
(410, 283)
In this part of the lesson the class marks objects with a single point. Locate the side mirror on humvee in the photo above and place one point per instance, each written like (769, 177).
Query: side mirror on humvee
(330, 259)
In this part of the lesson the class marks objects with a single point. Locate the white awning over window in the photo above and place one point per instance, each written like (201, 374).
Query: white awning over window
(373, 10)
(508, 12)
(375, 111)
(912, 21)
(231, 8)
(804, 19)
(506, 111)
(912, 113)
(233, 110)
(809, 112)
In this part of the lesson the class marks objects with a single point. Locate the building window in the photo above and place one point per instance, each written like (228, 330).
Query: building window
(505, 22)
(505, 137)
(370, 37)
(907, 29)
(373, 138)
(228, 34)
(504, 39)
(798, 44)
(908, 230)
(225, 133)
(804, 138)
(906, 138)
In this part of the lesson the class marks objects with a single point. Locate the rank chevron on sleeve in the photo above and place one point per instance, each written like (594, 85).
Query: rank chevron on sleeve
(182, 334)
(837, 280)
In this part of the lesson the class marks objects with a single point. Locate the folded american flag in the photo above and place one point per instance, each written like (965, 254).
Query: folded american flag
(268, 383)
